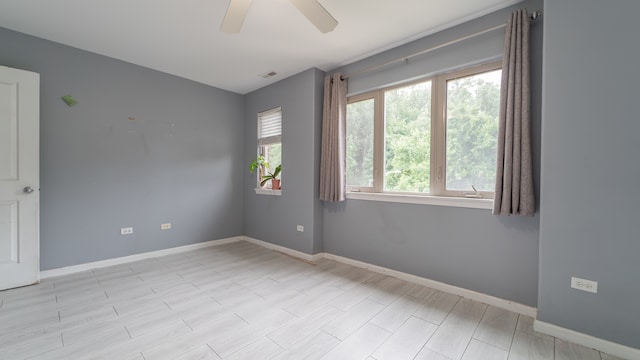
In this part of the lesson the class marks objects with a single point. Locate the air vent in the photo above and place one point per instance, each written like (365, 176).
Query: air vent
(268, 75)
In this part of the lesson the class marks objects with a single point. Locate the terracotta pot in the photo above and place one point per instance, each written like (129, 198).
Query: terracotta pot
(275, 184)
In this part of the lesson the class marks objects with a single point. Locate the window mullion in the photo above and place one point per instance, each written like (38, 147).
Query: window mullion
(438, 128)
(379, 141)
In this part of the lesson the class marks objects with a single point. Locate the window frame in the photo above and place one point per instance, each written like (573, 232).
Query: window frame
(438, 194)
(263, 142)
(378, 140)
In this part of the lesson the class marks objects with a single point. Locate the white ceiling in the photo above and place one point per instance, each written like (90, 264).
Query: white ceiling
(182, 37)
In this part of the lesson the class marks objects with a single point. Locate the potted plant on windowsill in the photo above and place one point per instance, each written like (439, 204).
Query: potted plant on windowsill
(273, 176)
(262, 166)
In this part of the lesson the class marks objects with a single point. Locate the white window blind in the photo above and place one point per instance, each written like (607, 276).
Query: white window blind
(270, 126)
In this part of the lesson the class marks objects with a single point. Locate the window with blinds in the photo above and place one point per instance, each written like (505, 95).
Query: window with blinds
(270, 126)
(270, 141)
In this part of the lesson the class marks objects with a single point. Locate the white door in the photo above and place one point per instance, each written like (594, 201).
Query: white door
(19, 177)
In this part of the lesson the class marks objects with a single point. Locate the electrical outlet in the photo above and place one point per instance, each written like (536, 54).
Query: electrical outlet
(300, 228)
(165, 226)
(126, 231)
(584, 285)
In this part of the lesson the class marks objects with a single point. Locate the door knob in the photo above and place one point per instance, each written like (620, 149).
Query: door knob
(28, 190)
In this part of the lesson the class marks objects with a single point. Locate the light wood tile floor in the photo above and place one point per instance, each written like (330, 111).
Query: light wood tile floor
(242, 301)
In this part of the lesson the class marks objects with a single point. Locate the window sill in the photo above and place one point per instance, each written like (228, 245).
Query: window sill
(268, 192)
(424, 200)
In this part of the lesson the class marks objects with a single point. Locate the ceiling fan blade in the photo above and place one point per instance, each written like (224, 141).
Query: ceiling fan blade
(236, 12)
(317, 14)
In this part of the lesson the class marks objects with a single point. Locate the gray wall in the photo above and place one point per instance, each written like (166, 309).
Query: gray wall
(274, 218)
(469, 248)
(184, 160)
(179, 161)
(590, 211)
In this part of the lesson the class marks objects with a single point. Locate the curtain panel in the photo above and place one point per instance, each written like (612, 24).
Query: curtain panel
(514, 193)
(333, 160)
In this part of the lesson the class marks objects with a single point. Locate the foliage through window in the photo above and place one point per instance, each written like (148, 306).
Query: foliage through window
(433, 137)
(471, 131)
(407, 134)
(270, 139)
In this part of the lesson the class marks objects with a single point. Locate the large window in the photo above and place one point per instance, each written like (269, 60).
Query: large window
(270, 139)
(433, 137)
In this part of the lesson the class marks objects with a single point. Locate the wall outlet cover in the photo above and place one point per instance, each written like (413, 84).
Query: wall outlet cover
(126, 231)
(584, 285)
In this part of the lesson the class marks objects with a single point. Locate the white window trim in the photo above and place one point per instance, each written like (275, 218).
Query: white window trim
(438, 195)
(470, 203)
(261, 191)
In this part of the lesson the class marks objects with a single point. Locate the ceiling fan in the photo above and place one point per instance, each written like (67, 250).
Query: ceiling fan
(312, 9)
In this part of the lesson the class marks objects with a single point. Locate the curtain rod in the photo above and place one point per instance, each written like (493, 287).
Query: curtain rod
(533, 16)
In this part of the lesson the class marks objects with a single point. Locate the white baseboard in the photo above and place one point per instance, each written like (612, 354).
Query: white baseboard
(589, 341)
(546, 328)
(553, 330)
(285, 250)
(127, 259)
(469, 294)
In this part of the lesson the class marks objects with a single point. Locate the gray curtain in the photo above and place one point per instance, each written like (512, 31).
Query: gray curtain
(514, 177)
(333, 160)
